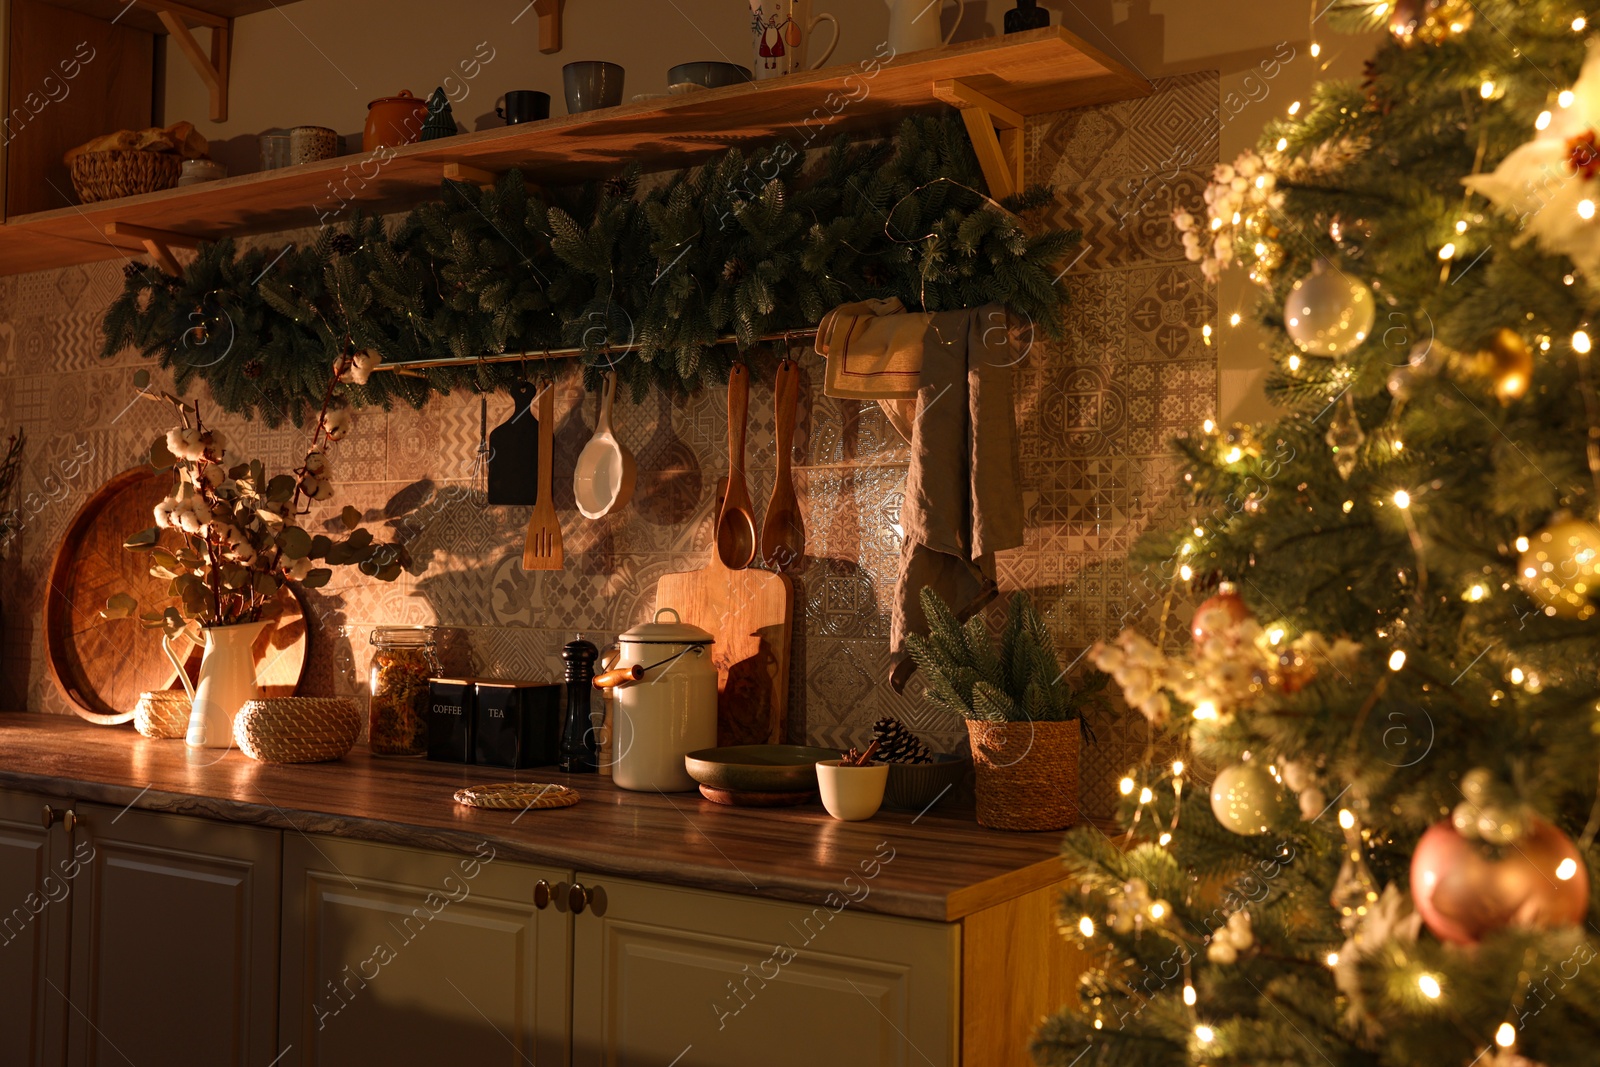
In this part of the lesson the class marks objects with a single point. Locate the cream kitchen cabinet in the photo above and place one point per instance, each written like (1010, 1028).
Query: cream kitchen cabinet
(156, 942)
(664, 975)
(400, 956)
(35, 861)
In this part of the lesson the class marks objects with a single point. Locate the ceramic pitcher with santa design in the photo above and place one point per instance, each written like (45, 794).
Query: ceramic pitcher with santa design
(781, 32)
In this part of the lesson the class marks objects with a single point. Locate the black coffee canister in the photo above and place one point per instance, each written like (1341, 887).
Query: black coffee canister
(450, 719)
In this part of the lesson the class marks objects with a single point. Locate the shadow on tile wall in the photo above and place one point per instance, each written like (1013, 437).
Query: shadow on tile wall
(1095, 412)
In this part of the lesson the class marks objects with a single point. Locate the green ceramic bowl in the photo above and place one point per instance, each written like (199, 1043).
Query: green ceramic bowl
(758, 768)
(915, 786)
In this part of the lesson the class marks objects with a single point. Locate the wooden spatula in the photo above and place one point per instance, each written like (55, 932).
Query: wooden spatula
(542, 550)
(783, 537)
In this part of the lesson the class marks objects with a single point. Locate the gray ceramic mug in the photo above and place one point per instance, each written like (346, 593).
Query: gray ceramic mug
(591, 85)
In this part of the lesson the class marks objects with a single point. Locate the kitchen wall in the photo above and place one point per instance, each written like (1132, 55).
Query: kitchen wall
(1096, 412)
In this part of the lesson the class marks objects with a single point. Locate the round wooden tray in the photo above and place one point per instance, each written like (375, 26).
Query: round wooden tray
(102, 665)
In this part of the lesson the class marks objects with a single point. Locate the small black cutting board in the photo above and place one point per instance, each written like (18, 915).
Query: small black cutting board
(514, 452)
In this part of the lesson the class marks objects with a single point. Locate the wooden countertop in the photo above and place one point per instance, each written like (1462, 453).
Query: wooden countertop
(945, 866)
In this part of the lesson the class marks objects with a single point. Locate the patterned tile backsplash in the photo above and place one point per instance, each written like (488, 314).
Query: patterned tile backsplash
(1096, 413)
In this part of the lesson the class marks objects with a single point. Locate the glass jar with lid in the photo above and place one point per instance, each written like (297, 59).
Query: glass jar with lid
(403, 659)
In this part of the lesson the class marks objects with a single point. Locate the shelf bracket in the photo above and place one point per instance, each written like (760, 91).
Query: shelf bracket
(212, 67)
(996, 133)
(159, 243)
(463, 172)
(549, 12)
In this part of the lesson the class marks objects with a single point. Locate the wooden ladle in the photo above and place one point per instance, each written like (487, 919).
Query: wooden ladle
(736, 525)
(783, 536)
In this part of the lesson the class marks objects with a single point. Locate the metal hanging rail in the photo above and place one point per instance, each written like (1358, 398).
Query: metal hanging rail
(413, 366)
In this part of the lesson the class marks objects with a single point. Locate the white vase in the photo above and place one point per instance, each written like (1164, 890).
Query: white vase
(914, 25)
(227, 682)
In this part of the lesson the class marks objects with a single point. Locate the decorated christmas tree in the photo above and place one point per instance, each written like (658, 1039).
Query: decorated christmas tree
(1366, 828)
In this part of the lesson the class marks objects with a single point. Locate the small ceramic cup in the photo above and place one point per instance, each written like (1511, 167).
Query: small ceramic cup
(308, 144)
(852, 793)
(591, 85)
(524, 105)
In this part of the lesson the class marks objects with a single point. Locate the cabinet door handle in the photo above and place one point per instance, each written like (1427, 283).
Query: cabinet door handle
(541, 894)
(69, 819)
(49, 816)
(577, 898)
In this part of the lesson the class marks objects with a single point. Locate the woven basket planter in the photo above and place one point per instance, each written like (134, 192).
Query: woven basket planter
(121, 172)
(1026, 774)
(163, 715)
(296, 729)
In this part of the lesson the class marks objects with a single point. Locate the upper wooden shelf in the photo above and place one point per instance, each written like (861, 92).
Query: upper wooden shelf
(1026, 74)
(141, 17)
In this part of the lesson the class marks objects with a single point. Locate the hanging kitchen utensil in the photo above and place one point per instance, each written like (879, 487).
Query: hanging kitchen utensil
(514, 455)
(736, 523)
(783, 536)
(542, 550)
(603, 479)
(480, 462)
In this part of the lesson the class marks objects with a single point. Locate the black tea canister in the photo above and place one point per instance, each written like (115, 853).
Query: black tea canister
(517, 724)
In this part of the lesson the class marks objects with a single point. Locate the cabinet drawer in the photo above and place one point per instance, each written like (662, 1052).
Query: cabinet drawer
(664, 975)
(401, 956)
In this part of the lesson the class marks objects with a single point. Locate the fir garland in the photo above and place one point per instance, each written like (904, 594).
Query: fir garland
(743, 245)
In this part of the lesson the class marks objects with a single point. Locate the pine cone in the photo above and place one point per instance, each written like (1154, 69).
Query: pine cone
(254, 369)
(344, 244)
(733, 270)
(897, 744)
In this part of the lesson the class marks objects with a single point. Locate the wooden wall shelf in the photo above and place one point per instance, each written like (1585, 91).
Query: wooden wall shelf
(1026, 74)
(142, 17)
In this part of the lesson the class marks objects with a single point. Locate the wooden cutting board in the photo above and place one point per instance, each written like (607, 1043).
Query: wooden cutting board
(102, 665)
(751, 614)
(513, 476)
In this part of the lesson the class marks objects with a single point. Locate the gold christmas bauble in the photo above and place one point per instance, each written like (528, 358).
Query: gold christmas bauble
(1247, 800)
(1430, 21)
(1328, 312)
(1506, 361)
(1560, 568)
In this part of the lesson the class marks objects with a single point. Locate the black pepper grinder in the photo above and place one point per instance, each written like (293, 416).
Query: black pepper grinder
(1027, 15)
(578, 754)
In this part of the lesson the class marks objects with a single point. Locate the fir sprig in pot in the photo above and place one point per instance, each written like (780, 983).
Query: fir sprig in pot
(1023, 716)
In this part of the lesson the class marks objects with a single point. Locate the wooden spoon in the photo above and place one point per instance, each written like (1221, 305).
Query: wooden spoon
(783, 537)
(542, 549)
(736, 525)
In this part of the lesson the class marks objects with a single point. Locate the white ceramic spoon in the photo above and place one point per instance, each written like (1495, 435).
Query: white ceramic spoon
(603, 479)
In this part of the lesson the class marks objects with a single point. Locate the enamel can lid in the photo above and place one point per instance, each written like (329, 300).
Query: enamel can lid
(676, 632)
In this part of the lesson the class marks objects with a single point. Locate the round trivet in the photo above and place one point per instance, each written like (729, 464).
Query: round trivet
(519, 796)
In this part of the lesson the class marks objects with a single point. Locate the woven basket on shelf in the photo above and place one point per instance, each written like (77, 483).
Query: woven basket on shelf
(163, 715)
(1027, 774)
(296, 729)
(123, 172)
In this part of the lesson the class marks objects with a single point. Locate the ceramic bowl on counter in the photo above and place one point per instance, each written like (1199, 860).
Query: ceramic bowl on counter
(917, 786)
(757, 768)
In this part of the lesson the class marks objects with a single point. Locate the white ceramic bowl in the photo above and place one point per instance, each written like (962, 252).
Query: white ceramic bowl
(851, 793)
